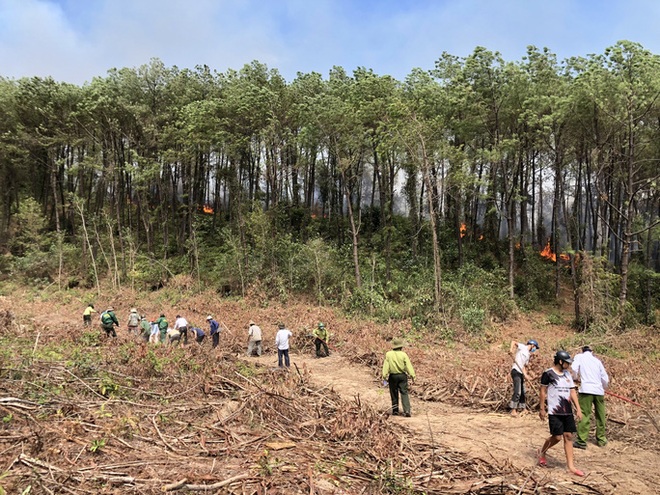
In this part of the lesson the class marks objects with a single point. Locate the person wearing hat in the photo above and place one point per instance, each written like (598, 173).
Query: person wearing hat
(109, 321)
(181, 325)
(321, 340)
(558, 397)
(133, 321)
(87, 315)
(214, 331)
(593, 378)
(522, 354)
(282, 343)
(254, 338)
(396, 369)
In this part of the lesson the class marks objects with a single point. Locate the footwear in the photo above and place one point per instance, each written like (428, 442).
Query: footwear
(602, 444)
(406, 414)
(395, 413)
(579, 445)
(541, 458)
(577, 472)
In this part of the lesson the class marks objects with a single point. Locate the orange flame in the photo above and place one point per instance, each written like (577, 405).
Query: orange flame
(463, 230)
(547, 253)
(208, 209)
(564, 257)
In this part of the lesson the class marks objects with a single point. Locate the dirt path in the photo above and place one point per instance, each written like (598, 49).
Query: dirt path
(616, 468)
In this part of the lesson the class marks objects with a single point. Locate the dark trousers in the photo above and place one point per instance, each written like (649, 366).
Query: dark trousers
(216, 339)
(87, 320)
(183, 332)
(283, 353)
(109, 331)
(318, 342)
(200, 338)
(398, 383)
(518, 397)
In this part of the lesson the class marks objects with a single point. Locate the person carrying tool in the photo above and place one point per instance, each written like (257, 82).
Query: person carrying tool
(557, 395)
(522, 354)
(321, 336)
(593, 378)
(254, 339)
(109, 321)
(214, 331)
(396, 369)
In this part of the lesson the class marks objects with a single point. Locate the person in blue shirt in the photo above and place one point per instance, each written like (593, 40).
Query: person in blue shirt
(198, 333)
(214, 327)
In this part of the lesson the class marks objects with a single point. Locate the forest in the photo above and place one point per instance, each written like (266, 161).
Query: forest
(460, 194)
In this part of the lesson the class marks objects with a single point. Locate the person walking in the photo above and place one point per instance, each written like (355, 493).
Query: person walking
(321, 340)
(593, 378)
(109, 321)
(557, 395)
(254, 339)
(133, 322)
(145, 328)
(162, 327)
(181, 324)
(522, 353)
(282, 343)
(396, 370)
(87, 315)
(214, 331)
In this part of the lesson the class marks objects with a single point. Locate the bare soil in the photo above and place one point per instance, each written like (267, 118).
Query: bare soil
(197, 419)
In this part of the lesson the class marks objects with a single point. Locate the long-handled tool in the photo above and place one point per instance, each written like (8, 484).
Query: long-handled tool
(607, 392)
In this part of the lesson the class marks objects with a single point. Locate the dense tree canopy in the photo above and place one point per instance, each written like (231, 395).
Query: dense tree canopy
(237, 176)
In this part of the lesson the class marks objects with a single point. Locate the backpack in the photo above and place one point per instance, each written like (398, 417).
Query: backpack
(106, 319)
(133, 320)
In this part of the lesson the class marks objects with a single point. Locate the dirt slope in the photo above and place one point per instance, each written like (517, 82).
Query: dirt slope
(616, 468)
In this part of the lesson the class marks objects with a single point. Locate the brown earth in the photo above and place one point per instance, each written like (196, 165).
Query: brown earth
(459, 418)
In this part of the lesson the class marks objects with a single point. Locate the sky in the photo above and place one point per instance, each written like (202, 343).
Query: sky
(76, 40)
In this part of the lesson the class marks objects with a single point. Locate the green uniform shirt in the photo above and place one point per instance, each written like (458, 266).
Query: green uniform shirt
(397, 361)
(321, 333)
(146, 328)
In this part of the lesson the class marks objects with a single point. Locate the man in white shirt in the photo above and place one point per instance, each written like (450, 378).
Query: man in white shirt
(181, 324)
(282, 343)
(522, 354)
(254, 338)
(593, 381)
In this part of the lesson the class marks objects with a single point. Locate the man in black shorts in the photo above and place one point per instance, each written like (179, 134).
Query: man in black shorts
(557, 394)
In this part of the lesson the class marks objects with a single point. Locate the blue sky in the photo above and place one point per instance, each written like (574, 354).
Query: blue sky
(76, 40)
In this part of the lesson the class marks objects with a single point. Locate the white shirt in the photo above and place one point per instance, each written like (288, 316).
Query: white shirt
(522, 358)
(180, 323)
(282, 338)
(591, 373)
(254, 333)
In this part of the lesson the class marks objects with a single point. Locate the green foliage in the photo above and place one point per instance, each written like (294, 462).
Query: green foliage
(97, 445)
(534, 281)
(28, 226)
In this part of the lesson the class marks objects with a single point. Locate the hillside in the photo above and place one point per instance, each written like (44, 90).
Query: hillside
(84, 415)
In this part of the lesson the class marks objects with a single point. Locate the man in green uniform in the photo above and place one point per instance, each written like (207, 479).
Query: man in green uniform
(145, 328)
(162, 327)
(396, 369)
(109, 321)
(321, 339)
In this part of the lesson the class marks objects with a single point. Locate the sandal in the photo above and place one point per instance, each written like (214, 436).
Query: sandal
(541, 458)
(577, 472)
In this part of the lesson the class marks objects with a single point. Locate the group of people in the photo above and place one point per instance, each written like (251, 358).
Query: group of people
(156, 330)
(559, 398)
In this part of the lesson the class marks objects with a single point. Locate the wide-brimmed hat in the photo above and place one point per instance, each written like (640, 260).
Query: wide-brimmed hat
(280, 325)
(133, 310)
(397, 343)
(251, 323)
(111, 308)
(209, 317)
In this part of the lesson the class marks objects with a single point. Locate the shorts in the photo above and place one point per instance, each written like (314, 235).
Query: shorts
(560, 424)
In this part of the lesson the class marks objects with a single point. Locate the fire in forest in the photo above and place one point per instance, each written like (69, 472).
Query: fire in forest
(208, 209)
(549, 255)
(463, 230)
